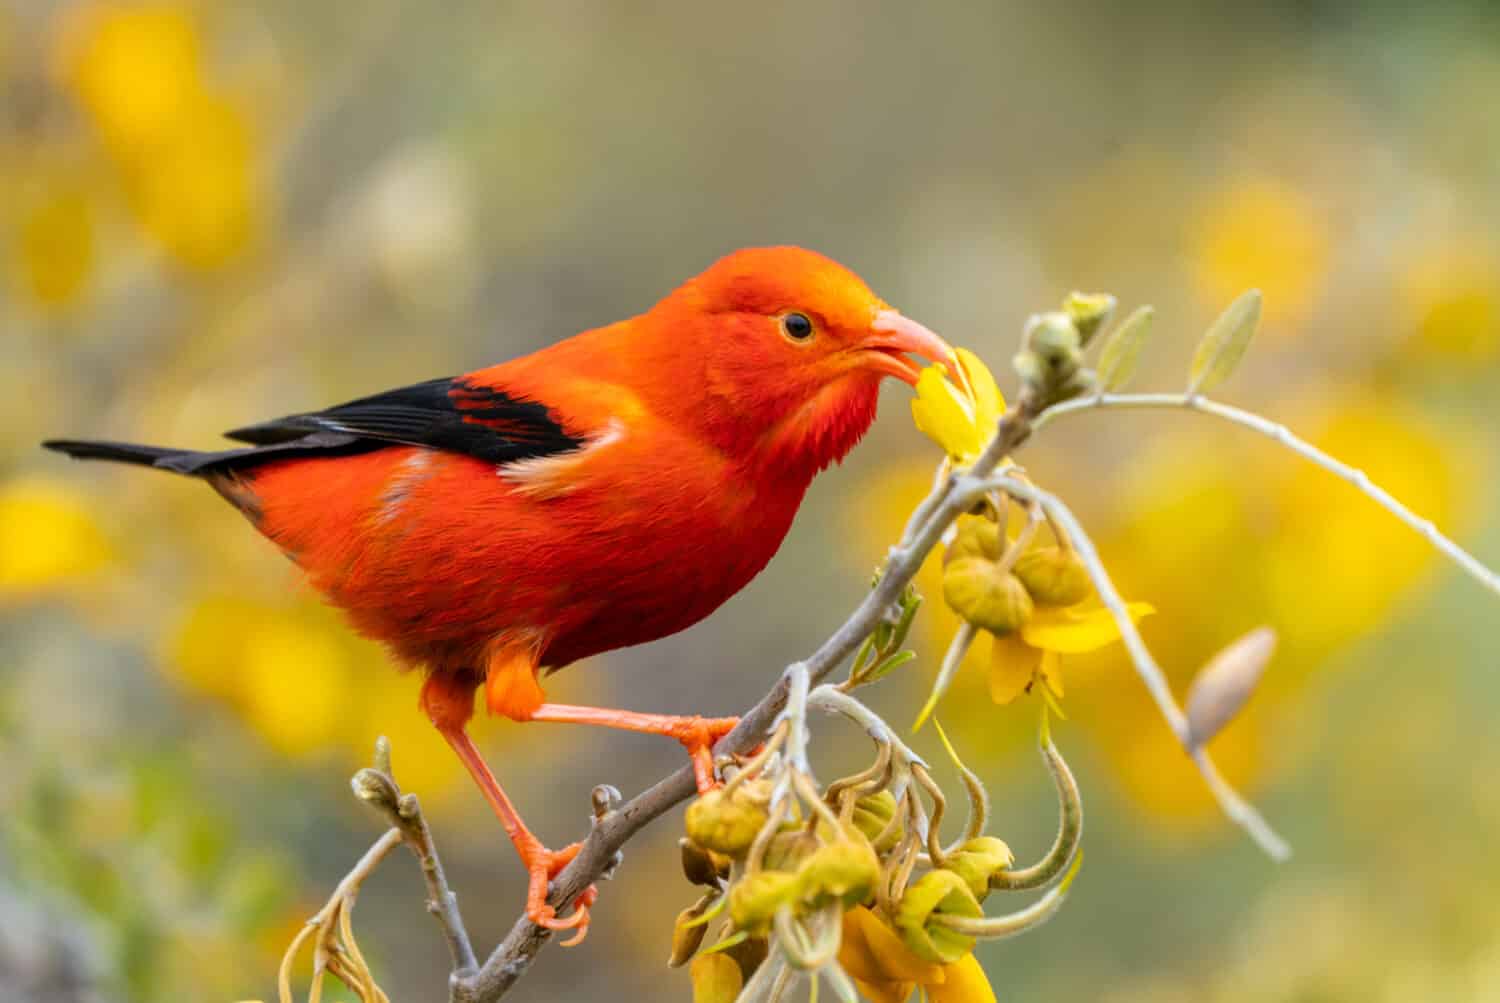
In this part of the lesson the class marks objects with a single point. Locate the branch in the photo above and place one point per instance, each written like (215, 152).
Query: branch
(951, 496)
(1283, 435)
(1235, 807)
(377, 787)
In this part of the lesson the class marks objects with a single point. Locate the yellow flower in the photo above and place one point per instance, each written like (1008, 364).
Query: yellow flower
(961, 419)
(48, 538)
(1034, 652)
(885, 971)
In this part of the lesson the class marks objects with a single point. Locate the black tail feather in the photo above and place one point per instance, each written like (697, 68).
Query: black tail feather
(120, 452)
(198, 463)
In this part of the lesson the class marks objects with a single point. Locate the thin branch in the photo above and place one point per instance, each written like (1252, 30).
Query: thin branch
(1235, 807)
(378, 788)
(950, 497)
(1283, 435)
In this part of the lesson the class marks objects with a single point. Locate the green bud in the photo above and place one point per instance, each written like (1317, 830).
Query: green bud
(987, 597)
(1054, 340)
(844, 871)
(788, 849)
(872, 816)
(754, 899)
(976, 537)
(1089, 312)
(936, 893)
(976, 860)
(1054, 576)
(726, 825)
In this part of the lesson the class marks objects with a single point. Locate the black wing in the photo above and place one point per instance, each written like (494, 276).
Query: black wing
(448, 414)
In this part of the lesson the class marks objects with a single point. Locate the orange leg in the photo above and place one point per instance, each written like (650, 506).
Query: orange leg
(698, 734)
(449, 702)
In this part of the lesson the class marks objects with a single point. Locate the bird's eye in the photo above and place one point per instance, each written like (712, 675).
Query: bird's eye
(797, 326)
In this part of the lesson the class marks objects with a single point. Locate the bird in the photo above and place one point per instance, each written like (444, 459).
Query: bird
(608, 490)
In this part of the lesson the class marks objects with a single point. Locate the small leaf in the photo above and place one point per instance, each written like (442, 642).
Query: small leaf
(887, 666)
(1122, 349)
(1224, 344)
(1225, 684)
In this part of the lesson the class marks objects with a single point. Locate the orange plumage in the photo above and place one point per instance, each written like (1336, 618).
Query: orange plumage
(611, 489)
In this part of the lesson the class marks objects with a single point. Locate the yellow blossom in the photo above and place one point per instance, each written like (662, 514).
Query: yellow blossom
(55, 245)
(48, 537)
(961, 419)
(1262, 232)
(1034, 652)
(885, 971)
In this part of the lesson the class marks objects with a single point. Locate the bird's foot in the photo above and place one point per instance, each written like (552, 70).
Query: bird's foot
(542, 865)
(699, 735)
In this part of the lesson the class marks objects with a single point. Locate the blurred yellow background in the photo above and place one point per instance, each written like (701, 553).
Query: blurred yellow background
(218, 212)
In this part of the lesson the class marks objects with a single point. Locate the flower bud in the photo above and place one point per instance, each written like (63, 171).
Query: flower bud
(687, 935)
(786, 850)
(723, 824)
(754, 899)
(872, 817)
(843, 871)
(1054, 339)
(933, 894)
(701, 866)
(987, 597)
(976, 860)
(1089, 312)
(716, 979)
(976, 537)
(1054, 576)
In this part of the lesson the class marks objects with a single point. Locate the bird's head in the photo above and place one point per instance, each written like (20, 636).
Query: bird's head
(790, 348)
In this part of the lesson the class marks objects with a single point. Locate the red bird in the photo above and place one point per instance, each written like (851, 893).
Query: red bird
(609, 490)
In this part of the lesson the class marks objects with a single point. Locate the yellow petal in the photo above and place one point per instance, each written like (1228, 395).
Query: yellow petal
(965, 983)
(1013, 663)
(872, 952)
(716, 978)
(944, 416)
(989, 405)
(1051, 672)
(1069, 632)
(884, 992)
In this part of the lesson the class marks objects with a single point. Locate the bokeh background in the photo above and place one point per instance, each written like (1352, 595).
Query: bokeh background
(215, 212)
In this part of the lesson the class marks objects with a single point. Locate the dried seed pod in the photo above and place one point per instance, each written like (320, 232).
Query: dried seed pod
(687, 935)
(702, 866)
(987, 597)
(1054, 576)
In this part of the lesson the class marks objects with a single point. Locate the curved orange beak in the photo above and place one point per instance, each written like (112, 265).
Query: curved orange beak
(894, 336)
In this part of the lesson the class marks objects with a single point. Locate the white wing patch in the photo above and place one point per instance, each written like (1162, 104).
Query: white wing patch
(545, 476)
(408, 474)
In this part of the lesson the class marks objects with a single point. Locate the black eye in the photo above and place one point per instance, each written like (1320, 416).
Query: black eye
(797, 326)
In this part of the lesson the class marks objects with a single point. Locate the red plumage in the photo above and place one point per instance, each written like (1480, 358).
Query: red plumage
(608, 490)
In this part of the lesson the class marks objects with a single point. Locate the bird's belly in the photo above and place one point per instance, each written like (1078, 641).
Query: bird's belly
(465, 561)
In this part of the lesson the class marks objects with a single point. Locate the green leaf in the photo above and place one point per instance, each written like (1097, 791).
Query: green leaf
(888, 666)
(1224, 344)
(1122, 349)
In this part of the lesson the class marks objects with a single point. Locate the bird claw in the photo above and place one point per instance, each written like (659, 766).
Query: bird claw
(699, 735)
(542, 866)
